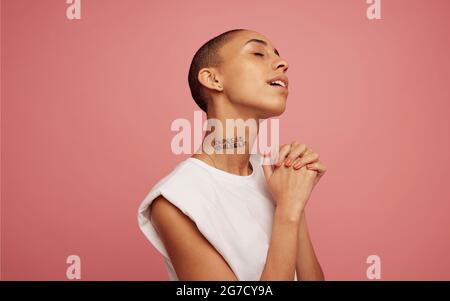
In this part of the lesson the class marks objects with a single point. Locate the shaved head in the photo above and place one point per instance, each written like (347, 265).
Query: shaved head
(206, 56)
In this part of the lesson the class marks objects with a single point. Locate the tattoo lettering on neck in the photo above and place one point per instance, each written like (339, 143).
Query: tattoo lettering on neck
(228, 143)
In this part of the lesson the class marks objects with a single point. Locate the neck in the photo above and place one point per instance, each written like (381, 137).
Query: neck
(229, 140)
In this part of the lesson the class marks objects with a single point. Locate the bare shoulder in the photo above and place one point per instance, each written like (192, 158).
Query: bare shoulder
(191, 254)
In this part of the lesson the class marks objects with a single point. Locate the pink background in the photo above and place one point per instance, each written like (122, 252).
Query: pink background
(86, 108)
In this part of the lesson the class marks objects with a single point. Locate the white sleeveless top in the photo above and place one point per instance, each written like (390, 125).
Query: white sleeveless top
(234, 213)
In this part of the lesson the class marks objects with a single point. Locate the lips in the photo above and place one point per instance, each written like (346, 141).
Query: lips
(279, 81)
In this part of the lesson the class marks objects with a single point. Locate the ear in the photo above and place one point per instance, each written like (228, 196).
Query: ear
(209, 78)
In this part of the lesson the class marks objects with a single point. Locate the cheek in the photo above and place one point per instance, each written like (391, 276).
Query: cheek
(246, 83)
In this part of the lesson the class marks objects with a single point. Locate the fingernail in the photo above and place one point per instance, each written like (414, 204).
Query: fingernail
(287, 162)
(297, 165)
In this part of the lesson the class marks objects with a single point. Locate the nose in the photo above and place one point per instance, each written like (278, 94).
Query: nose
(283, 64)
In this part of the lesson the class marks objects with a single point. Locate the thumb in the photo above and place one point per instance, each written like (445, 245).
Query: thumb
(267, 165)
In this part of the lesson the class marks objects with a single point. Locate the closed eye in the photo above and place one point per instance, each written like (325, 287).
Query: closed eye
(258, 54)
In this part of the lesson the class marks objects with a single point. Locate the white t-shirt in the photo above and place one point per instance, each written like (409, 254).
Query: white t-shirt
(234, 213)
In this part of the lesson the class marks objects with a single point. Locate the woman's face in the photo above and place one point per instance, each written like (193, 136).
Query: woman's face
(250, 65)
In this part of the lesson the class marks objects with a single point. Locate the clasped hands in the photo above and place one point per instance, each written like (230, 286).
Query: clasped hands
(294, 173)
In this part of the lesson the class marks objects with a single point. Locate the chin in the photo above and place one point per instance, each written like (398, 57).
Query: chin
(274, 110)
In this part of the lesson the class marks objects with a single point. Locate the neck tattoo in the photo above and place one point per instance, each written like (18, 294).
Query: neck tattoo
(228, 143)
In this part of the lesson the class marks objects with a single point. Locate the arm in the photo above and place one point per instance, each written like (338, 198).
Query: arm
(300, 156)
(281, 256)
(307, 265)
(191, 254)
(194, 258)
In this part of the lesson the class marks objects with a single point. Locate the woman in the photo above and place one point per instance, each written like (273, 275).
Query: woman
(226, 213)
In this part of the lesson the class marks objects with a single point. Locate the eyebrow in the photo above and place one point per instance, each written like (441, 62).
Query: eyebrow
(261, 42)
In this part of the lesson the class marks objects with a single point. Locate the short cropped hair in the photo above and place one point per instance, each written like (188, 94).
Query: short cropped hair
(206, 56)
